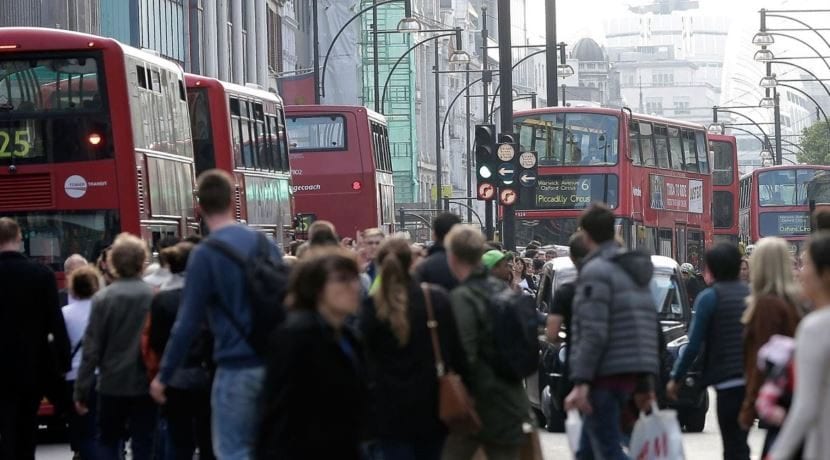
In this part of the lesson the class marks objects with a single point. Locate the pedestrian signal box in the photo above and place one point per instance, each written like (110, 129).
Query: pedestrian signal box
(485, 148)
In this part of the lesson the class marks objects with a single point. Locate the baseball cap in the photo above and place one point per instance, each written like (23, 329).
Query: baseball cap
(687, 268)
(492, 257)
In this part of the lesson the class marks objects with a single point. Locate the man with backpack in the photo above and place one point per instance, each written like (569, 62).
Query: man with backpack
(236, 278)
(499, 353)
(614, 355)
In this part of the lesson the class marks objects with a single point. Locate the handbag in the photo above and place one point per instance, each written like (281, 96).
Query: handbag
(455, 406)
(657, 436)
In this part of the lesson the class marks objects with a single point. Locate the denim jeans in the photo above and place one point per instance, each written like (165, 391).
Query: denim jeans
(734, 438)
(602, 436)
(236, 402)
(122, 416)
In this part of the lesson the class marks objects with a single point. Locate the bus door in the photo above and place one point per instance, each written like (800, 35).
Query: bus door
(680, 237)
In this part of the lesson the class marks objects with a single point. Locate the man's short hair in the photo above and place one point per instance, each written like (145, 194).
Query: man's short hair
(724, 261)
(322, 233)
(370, 232)
(443, 223)
(9, 230)
(127, 256)
(466, 243)
(598, 223)
(533, 245)
(73, 262)
(822, 219)
(493, 244)
(215, 192)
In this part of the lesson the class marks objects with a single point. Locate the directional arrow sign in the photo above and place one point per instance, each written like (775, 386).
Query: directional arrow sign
(508, 196)
(486, 191)
(527, 179)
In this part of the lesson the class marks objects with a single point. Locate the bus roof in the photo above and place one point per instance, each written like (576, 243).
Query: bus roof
(41, 39)
(208, 82)
(311, 109)
(608, 111)
(757, 171)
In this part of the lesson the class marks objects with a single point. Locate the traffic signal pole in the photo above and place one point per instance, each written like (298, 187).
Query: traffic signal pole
(486, 78)
(506, 94)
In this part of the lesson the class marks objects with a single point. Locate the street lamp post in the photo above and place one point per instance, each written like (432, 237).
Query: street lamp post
(550, 54)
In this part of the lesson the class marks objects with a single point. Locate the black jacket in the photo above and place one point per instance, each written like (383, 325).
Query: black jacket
(404, 382)
(195, 371)
(29, 317)
(314, 394)
(435, 269)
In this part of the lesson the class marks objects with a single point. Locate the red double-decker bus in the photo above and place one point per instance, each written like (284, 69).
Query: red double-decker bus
(652, 172)
(241, 130)
(725, 190)
(341, 166)
(774, 203)
(94, 140)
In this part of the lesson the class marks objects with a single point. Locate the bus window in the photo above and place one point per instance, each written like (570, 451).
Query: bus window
(702, 152)
(661, 146)
(588, 139)
(647, 144)
(724, 163)
(320, 133)
(634, 143)
(690, 152)
(664, 238)
(675, 149)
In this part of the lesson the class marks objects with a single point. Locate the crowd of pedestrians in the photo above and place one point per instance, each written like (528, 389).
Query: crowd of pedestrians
(228, 348)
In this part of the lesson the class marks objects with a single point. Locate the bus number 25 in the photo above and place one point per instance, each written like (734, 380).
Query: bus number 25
(19, 139)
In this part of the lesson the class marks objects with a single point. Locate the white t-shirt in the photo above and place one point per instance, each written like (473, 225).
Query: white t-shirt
(76, 317)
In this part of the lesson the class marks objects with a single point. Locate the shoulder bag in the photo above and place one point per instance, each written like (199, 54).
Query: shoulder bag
(455, 406)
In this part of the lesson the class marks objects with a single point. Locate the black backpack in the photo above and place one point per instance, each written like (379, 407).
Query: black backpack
(266, 282)
(515, 328)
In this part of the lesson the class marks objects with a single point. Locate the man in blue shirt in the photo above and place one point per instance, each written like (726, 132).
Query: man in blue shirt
(215, 287)
(717, 324)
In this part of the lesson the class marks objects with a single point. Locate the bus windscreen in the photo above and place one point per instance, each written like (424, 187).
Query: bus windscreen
(570, 139)
(317, 133)
(53, 110)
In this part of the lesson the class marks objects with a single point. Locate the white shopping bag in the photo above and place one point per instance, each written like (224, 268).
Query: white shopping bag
(657, 436)
(573, 429)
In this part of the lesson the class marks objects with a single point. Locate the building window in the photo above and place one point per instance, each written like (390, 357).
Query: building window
(654, 106)
(274, 25)
(662, 79)
(681, 108)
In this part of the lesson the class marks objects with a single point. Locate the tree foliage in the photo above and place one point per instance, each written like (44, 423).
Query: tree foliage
(815, 145)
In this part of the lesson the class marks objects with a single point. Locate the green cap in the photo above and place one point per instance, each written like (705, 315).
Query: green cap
(492, 257)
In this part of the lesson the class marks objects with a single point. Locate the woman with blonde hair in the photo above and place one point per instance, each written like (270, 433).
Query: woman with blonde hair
(772, 309)
(394, 327)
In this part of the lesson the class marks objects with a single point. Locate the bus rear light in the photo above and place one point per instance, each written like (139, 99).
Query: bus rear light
(357, 185)
(94, 139)
(9, 47)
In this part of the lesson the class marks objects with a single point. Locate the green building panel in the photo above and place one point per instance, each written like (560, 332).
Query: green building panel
(399, 102)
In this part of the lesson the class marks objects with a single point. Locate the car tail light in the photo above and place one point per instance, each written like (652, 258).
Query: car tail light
(94, 139)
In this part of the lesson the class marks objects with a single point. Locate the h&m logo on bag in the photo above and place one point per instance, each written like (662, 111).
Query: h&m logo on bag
(655, 449)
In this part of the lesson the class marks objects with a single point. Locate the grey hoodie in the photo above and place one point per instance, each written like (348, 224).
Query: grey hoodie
(614, 316)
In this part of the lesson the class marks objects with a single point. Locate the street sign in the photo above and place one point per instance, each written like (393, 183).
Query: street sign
(486, 191)
(508, 196)
(527, 160)
(446, 192)
(506, 173)
(506, 152)
(527, 178)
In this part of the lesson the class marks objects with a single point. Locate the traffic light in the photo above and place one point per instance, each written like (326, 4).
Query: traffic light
(485, 138)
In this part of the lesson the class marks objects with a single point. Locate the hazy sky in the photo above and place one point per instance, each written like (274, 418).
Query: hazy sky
(580, 18)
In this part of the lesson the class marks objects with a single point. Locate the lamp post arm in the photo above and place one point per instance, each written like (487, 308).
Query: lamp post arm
(805, 43)
(807, 71)
(527, 96)
(726, 125)
(808, 26)
(793, 144)
(742, 115)
(496, 92)
(447, 112)
(400, 59)
(336, 36)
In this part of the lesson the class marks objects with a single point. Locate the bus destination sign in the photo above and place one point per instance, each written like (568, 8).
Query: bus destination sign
(793, 224)
(563, 192)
